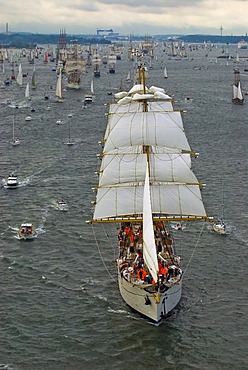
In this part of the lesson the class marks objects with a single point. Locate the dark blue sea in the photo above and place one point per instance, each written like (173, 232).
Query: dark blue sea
(60, 304)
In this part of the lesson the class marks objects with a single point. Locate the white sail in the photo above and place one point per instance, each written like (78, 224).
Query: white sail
(92, 87)
(165, 72)
(146, 128)
(130, 168)
(168, 199)
(149, 246)
(27, 95)
(235, 92)
(239, 92)
(19, 76)
(33, 81)
(59, 86)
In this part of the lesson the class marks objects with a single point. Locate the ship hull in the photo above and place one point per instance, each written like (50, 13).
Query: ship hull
(153, 306)
(73, 85)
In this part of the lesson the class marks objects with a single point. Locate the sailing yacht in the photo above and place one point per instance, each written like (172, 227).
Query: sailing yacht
(70, 140)
(58, 92)
(145, 183)
(237, 96)
(19, 76)
(15, 141)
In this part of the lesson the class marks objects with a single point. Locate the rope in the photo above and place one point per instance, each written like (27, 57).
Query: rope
(99, 251)
(192, 254)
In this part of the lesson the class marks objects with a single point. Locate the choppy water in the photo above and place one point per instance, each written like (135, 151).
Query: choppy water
(60, 304)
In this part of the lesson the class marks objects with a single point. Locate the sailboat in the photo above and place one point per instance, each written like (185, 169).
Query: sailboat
(89, 98)
(96, 62)
(220, 226)
(165, 72)
(58, 92)
(27, 93)
(19, 76)
(237, 97)
(33, 80)
(146, 182)
(70, 140)
(15, 141)
(75, 68)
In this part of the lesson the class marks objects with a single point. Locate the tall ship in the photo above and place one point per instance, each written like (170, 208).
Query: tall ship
(96, 62)
(111, 63)
(145, 183)
(75, 67)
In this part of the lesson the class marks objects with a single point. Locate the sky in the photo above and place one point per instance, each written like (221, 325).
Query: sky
(137, 17)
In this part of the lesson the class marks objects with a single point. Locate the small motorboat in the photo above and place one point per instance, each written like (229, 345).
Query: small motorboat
(62, 205)
(88, 99)
(16, 142)
(219, 227)
(12, 182)
(26, 231)
(28, 118)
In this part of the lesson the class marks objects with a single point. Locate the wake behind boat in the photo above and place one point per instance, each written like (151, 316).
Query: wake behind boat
(146, 182)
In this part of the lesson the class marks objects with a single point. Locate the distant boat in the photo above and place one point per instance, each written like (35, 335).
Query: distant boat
(27, 94)
(12, 182)
(165, 72)
(33, 81)
(26, 231)
(62, 205)
(74, 68)
(58, 92)
(89, 98)
(96, 62)
(242, 44)
(19, 76)
(220, 226)
(237, 96)
(70, 140)
(15, 141)
(128, 78)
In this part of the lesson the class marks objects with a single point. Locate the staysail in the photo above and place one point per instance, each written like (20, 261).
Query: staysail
(149, 246)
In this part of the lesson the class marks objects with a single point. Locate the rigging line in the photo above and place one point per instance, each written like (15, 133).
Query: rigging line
(196, 244)
(99, 251)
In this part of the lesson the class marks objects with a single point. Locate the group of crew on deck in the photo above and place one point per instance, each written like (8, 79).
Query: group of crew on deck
(131, 262)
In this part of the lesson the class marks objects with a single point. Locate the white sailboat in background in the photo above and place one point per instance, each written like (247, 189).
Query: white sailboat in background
(220, 226)
(70, 140)
(89, 98)
(237, 96)
(27, 92)
(15, 141)
(19, 75)
(146, 182)
(33, 81)
(58, 92)
(165, 72)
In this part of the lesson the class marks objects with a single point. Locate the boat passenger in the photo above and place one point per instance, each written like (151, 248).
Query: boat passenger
(141, 274)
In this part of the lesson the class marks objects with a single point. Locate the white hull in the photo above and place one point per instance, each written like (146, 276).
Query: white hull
(220, 229)
(136, 297)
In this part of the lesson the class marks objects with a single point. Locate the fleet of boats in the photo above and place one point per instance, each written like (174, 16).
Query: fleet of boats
(146, 183)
